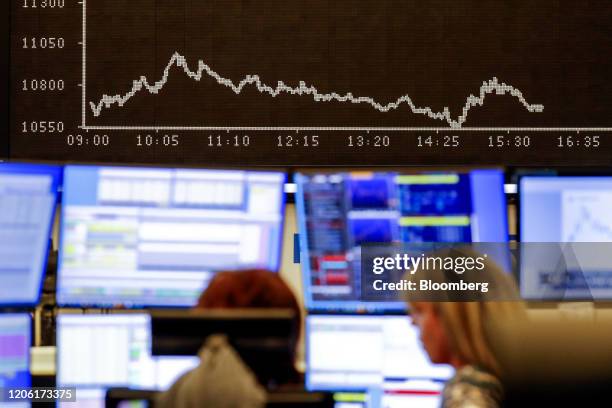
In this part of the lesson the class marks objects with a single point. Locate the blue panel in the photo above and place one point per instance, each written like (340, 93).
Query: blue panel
(28, 196)
(370, 193)
(490, 206)
(82, 185)
(436, 199)
(369, 230)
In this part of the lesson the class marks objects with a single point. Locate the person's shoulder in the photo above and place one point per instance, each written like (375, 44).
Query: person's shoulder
(221, 380)
(473, 375)
(472, 387)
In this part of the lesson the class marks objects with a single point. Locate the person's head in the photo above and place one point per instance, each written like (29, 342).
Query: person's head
(251, 288)
(459, 332)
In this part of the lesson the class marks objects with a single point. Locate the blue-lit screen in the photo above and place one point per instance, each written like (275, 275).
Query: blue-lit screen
(28, 195)
(155, 237)
(339, 212)
(15, 341)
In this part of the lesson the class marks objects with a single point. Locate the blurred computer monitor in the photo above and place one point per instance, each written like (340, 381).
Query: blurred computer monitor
(265, 339)
(565, 209)
(15, 340)
(155, 237)
(566, 231)
(28, 194)
(97, 352)
(338, 212)
(376, 361)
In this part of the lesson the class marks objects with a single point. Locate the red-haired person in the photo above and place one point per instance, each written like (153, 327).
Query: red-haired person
(222, 379)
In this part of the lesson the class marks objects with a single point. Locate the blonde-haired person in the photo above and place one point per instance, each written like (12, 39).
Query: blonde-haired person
(460, 332)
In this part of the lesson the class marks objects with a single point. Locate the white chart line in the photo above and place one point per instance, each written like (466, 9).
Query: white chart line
(492, 86)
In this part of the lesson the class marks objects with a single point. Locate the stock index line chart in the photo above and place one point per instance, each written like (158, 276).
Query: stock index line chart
(311, 82)
(492, 86)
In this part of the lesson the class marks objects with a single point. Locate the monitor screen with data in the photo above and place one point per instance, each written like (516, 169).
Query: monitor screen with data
(338, 212)
(15, 341)
(28, 194)
(574, 212)
(566, 209)
(96, 352)
(381, 355)
(155, 237)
